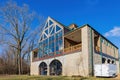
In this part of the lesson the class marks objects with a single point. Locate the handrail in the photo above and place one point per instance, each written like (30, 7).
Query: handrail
(73, 48)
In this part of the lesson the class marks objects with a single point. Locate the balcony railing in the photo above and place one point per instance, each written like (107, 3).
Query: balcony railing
(73, 48)
(77, 47)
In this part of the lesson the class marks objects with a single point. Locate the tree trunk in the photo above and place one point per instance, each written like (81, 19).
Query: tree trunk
(19, 63)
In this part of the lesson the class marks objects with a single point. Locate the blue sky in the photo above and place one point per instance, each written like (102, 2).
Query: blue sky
(103, 15)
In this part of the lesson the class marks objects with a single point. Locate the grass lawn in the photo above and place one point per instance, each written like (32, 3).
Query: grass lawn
(26, 77)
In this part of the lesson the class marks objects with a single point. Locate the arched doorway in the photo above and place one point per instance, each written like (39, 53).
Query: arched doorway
(55, 67)
(43, 68)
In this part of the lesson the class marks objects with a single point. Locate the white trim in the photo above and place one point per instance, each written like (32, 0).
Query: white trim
(52, 25)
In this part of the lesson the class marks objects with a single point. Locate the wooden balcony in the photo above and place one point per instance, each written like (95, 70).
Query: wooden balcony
(73, 48)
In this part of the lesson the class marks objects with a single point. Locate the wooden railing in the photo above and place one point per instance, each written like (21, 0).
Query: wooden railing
(73, 48)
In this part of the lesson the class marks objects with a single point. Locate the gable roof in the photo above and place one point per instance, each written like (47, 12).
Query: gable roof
(60, 23)
(63, 26)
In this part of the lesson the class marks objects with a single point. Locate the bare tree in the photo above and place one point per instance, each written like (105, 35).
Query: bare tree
(16, 22)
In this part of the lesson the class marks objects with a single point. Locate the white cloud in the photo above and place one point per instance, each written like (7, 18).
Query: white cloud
(115, 32)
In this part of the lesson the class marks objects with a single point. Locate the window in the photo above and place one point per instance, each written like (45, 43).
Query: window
(46, 25)
(50, 29)
(59, 41)
(113, 62)
(41, 38)
(50, 22)
(108, 61)
(51, 40)
(57, 28)
(46, 31)
(45, 36)
(103, 60)
(35, 54)
(53, 31)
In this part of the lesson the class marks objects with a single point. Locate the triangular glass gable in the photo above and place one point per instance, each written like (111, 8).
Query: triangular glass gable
(46, 25)
(57, 28)
(50, 22)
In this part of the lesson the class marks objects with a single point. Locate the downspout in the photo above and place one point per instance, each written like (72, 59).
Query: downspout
(101, 48)
(115, 55)
(101, 52)
(91, 54)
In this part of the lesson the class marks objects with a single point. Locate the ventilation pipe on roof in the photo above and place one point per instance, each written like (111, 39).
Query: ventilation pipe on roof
(73, 26)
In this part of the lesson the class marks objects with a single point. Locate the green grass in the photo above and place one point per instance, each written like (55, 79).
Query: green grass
(26, 77)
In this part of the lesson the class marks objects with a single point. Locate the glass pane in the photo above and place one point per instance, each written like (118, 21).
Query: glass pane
(57, 35)
(57, 48)
(43, 43)
(40, 54)
(40, 43)
(60, 44)
(46, 25)
(50, 29)
(53, 31)
(46, 31)
(60, 33)
(46, 42)
(40, 49)
(45, 36)
(53, 49)
(52, 45)
(57, 28)
(46, 49)
(51, 39)
(50, 22)
(50, 50)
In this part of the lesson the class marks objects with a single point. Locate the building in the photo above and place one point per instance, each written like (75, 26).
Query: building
(71, 51)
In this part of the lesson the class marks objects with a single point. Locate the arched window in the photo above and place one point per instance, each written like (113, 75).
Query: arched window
(55, 67)
(43, 68)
